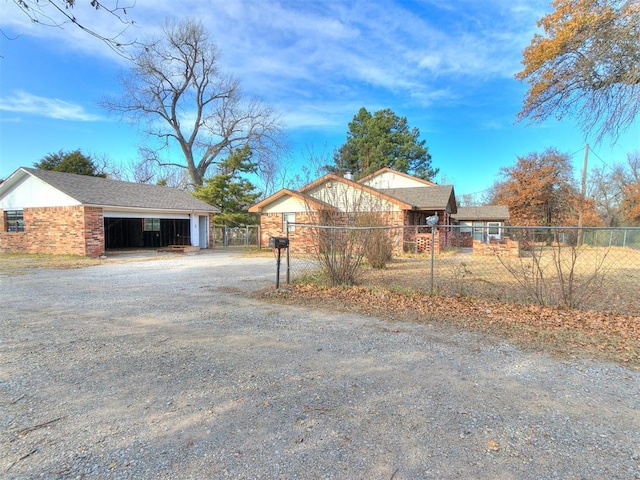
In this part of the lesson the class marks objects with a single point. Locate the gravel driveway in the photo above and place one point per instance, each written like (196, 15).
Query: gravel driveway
(164, 369)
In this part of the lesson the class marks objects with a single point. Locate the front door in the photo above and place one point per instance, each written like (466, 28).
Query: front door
(203, 226)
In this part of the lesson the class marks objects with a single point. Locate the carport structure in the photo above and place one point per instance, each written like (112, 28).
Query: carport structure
(61, 213)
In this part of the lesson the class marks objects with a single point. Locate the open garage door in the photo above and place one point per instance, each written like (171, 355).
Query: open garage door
(145, 232)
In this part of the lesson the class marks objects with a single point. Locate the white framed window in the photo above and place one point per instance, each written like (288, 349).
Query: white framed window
(151, 224)
(14, 221)
(465, 227)
(288, 220)
(494, 228)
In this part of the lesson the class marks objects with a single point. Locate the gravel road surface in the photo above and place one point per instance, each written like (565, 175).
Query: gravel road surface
(167, 369)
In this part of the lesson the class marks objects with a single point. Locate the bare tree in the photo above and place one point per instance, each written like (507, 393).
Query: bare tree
(607, 189)
(58, 13)
(314, 167)
(613, 190)
(177, 89)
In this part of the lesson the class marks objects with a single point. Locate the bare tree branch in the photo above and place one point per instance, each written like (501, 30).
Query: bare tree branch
(586, 65)
(178, 91)
(58, 13)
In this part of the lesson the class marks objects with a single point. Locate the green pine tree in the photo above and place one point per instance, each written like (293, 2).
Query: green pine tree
(382, 140)
(229, 191)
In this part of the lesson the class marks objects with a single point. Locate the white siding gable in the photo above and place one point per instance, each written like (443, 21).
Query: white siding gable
(32, 193)
(349, 199)
(287, 204)
(393, 180)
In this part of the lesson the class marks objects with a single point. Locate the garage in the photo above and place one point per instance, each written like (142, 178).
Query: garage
(145, 232)
(63, 213)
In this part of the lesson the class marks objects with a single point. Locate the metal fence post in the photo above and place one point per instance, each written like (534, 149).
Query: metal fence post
(433, 247)
(288, 257)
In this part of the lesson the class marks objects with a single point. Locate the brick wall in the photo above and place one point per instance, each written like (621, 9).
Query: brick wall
(57, 230)
(93, 231)
(423, 242)
(302, 238)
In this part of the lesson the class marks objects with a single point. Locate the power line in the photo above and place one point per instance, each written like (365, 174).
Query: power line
(599, 158)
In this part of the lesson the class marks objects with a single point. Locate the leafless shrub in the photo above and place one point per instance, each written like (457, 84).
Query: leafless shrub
(577, 283)
(340, 253)
(350, 233)
(377, 243)
(557, 272)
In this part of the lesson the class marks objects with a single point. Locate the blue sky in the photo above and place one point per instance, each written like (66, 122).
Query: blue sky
(447, 66)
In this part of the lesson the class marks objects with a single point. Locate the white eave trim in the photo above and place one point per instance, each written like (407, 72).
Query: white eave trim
(124, 212)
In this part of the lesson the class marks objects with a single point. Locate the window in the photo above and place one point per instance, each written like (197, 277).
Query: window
(151, 224)
(494, 228)
(288, 218)
(14, 221)
(465, 227)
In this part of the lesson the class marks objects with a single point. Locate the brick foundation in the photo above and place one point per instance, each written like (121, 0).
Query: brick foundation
(506, 247)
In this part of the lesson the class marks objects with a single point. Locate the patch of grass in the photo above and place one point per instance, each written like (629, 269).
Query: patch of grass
(21, 263)
(12, 264)
(317, 277)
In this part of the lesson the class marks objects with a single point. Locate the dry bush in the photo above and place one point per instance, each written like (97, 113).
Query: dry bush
(557, 274)
(348, 235)
(377, 242)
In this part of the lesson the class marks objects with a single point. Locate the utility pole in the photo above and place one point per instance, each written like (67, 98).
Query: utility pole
(583, 194)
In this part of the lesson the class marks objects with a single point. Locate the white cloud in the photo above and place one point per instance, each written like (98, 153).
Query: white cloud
(23, 102)
(358, 52)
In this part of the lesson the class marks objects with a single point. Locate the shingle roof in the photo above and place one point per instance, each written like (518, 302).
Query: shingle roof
(114, 193)
(436, 197)
(483, 212)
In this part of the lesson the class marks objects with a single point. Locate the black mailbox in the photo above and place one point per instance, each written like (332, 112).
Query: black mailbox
(278, 242)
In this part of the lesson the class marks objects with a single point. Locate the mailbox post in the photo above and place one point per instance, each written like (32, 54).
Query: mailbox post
(279, 243)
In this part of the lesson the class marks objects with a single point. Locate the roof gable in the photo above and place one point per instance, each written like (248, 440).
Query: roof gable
(425, 196)
(390, 178)
(330, 178)
(312, 202)
(27, 191)
(102, 192)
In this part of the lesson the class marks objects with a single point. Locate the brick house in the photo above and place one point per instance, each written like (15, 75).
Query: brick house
(482, 223)
(398, 199)
(51, 212)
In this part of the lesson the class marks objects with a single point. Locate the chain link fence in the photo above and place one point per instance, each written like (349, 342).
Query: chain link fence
(585, 268)
(247, 236)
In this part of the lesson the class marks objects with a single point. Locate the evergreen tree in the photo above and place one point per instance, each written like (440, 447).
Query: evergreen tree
(70, 162)
(229, 191)
(382, 140)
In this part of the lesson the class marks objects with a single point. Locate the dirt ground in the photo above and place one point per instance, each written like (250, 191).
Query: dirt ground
(172, 368)
(606, 280)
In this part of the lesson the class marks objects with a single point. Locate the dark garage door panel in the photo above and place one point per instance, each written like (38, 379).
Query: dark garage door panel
(129, 233)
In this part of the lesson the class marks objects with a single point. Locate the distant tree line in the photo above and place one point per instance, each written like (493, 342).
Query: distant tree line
(541, 189)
